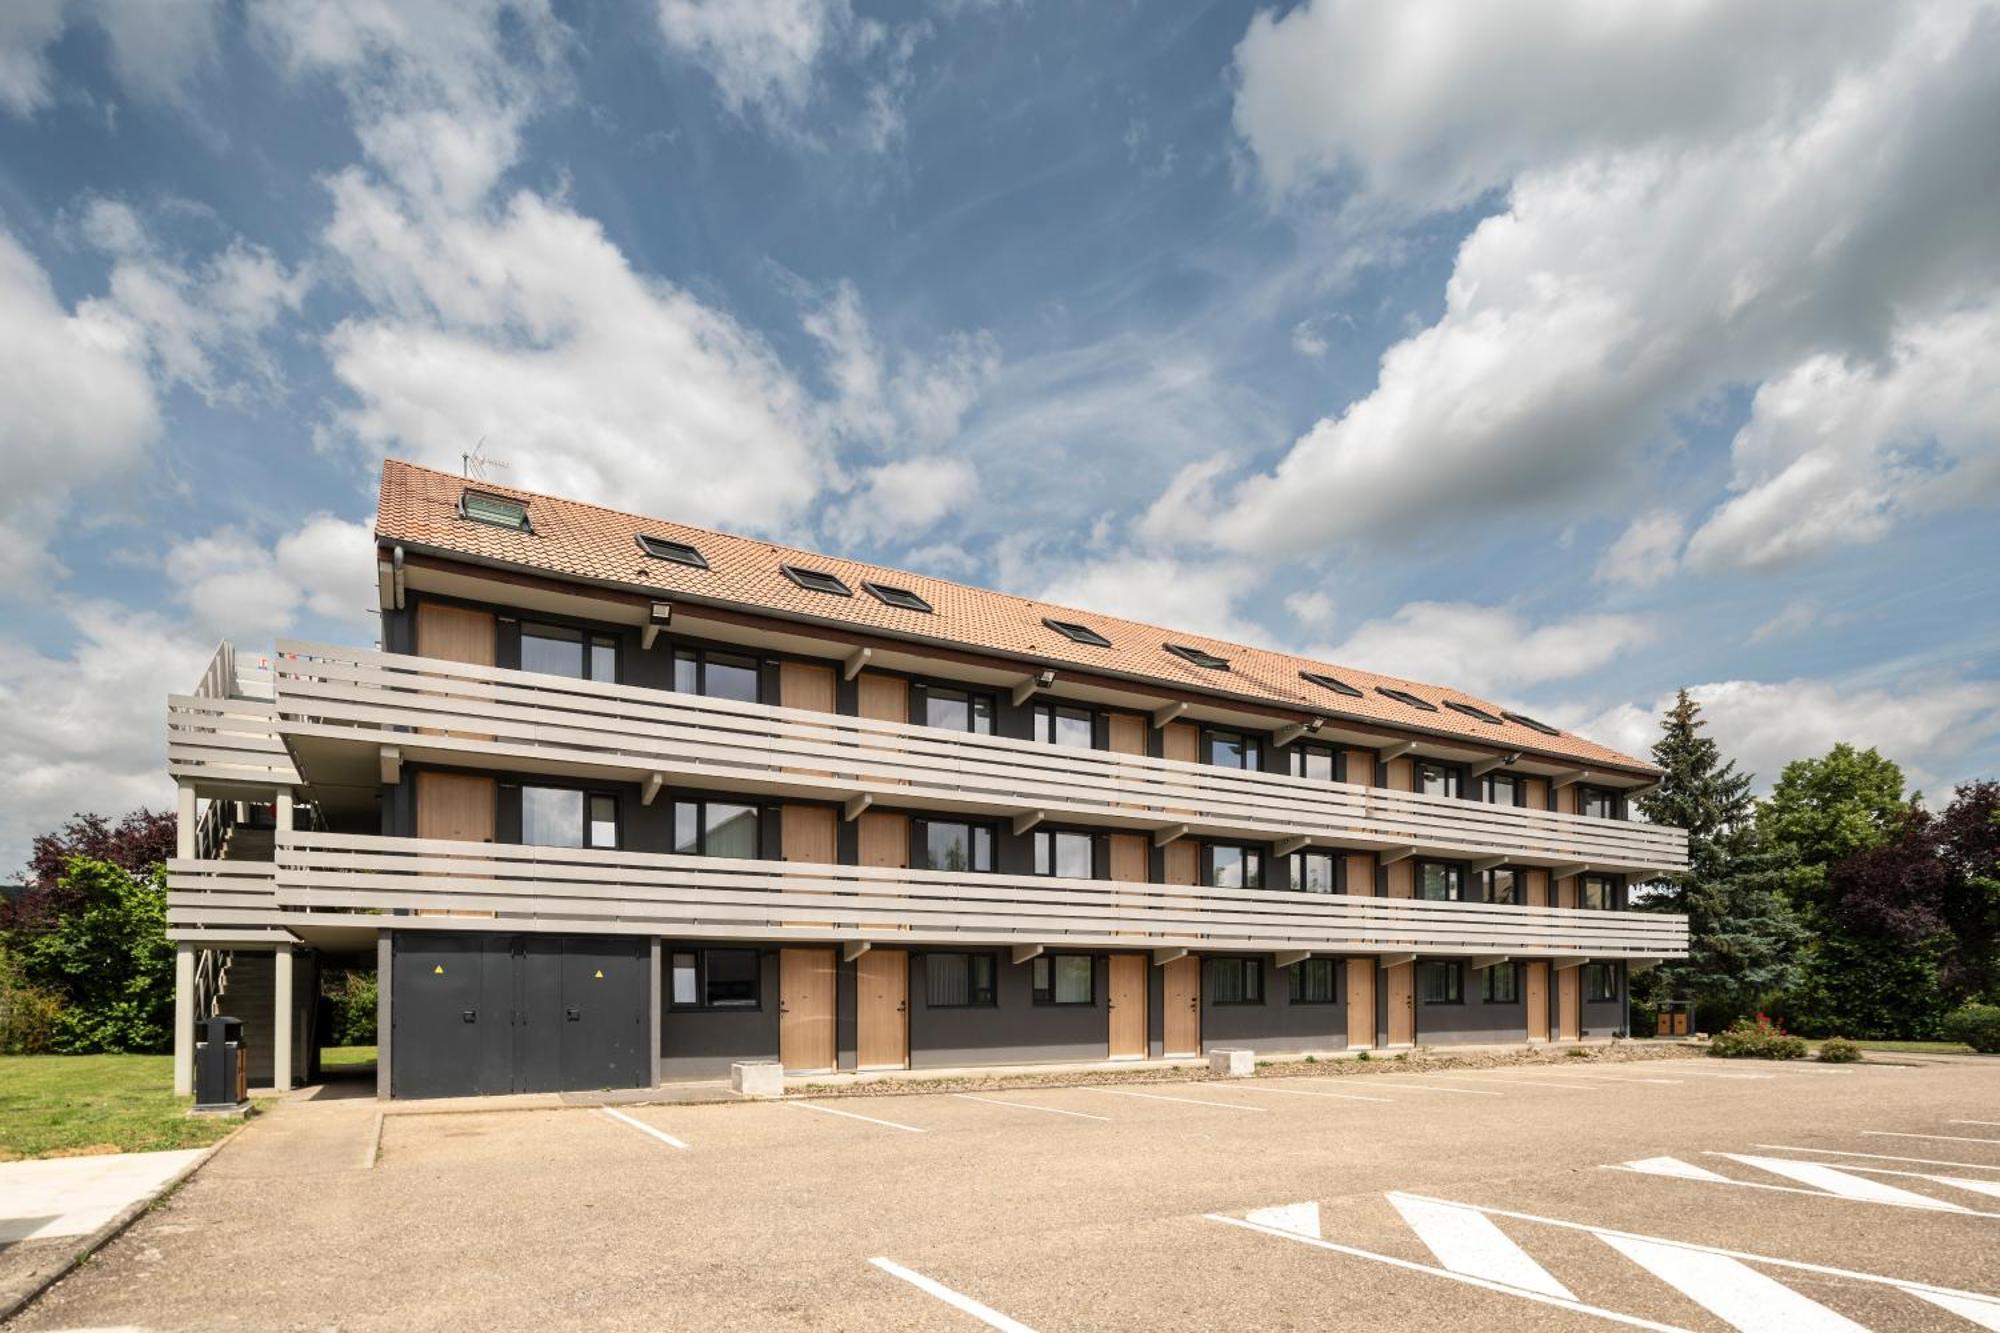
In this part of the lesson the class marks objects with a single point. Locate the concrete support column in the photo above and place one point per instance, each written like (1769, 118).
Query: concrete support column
(384, 1015)
(281, 1032)
(184, 1017)
(184, 823)
(284, 803)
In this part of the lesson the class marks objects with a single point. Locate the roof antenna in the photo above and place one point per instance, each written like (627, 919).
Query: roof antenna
(475, 461)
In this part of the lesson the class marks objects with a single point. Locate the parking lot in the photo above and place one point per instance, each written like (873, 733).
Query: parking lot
(1691, 1194)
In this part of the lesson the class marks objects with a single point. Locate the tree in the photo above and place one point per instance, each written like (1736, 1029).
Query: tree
(1967, 835)
(1824, 810)
(137, 843)
(108, 959)
(1743, 939)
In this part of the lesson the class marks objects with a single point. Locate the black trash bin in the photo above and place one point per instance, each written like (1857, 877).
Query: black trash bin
(221, 1067)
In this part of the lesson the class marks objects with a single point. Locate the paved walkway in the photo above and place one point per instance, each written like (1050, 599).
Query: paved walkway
(74, 1196)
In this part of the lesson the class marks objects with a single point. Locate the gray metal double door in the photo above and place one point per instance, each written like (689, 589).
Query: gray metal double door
(478, 1014)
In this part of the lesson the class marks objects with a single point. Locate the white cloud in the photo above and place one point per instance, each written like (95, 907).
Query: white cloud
(1486, 649)
(75, 407)
(87, 731)
(902, 400)
(27, 28)
(1308, 340)
(1930, 729)
(899, 502)
(1312, 608)
(1646, 553)
(761, 53)
(1838, 452)
(237, 588)
(1199, 596)
(1696, 197)
(1797, 617)
(157, 47)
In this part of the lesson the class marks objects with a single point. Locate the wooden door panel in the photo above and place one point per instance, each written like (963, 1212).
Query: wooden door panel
(455, 633)
(1361, 767)
(806, 685)
(1402, 1001)
(806, 990)
(1566, 891)
(809, 833)
(456, 806)
(883, 698)
(884, 840)
(1181, 740)
(1127, 733)
(1401, 774)
(1402, 878)
(1180, 1003)
(1361, 874)
(1536, 893)
(1361, 1002)
(1537, 993)
(1127, 857)
(1569, 1004)
(1128, 1006)
(1182, 861)
(882, 1009)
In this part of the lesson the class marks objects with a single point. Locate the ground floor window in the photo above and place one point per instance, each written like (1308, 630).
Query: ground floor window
(1313, 981)
(1065, 978)
(1501, 983)
(714, 979)
(1600, 982)
(1441, 983)
(1236, 980)
(959, 980)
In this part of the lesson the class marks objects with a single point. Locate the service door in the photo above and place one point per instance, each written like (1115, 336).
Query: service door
(522, 1050)
(806, 992)
(455, 806)
(1361, 1002)
(1180, 1004)
(1569, 1004)
(438, 1015)
(808, 833)
(1537, 992)
(602, 988)
(1402, 1002)
(1128, 1006)
(881, 1009)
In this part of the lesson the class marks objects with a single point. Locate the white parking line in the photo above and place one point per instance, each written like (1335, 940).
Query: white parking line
(985, 1314)
(1995, 1123)
(1990, 1188)
(1657, 1166)
(1191, 1101)
(828, 1110)
(644, 1128)
(1030, 1106)
(1537, 1082)
(1313, 1092)
(1731, 1290)
(1465, 1240)
(1837, 1180)
(1620, 1078)
(1428, 1086)
(1945, 1138)
(1878, 1157)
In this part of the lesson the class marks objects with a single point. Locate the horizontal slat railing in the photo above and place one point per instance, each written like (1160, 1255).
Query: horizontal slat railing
(224, 901)
(226, 740)
(496, 717)
(331, 878)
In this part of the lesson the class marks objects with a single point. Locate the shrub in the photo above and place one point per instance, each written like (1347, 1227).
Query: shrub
(1577, 1053)
(1759, 1040)
(1977, 1025)
(1838, 1051)
(28, 1013)
(107, 959)
(351, 995)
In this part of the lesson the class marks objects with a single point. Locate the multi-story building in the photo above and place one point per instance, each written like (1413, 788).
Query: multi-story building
(617, 800)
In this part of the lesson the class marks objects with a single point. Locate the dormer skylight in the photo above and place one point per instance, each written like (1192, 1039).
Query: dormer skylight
(817, 580)
(902, 597)
(1471, 710)
(1206, 660)
(1327, 682)
(494, 510)
(1405, 697)
(1532, 725)
(1076, 633)
(678, 552)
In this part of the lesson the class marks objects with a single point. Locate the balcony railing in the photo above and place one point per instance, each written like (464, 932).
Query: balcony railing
(224, 902)
(226, 731)
(328, 879)
(489, 717)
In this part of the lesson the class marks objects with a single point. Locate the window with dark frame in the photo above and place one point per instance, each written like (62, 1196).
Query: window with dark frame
(679, 553)
(1066, 724)
(817, 580)
(1233, 749)
(958, 710)
(1333, 683)
(1501, 984)
(1314, 761)
(1316, 872)
(1065, 854)
(1441, 881)
(717, 675)
(1600, 983)
(1502, 885)
(1064, 978)
(898, 597)
(1441, 983)
(960, 981)
(1503, 789)
(717, 828)
(494, 510)
(556, 650)
(1439, 779)
(714, 979)
(568, 817)
(1313, 981)
(1597, 802)
(955, 845)
(1235, 981)
(1405, 697)
(1471, 710)
(1197, 656)
(1234, 866)
(1532, 725)
(1076, 633)
(1594, 893)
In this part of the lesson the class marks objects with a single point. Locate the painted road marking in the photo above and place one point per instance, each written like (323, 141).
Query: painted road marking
(828, 1110)
(1673, 1167)
(1408, 1266)
(1619, 1078)
(1836, 1181)
(644, 1128)
(1030, 1106)
(1995, 1123)
(1467, 1241)
(1191, 1101)
(1879, 1157)
(1730, 1290)
(1428, 1086)
(1301, 1219)
(1313, 1092)
(985, 1314)
(1990, 1188)
(1946, 1138)
(1929, 1205)
(1539, 1083)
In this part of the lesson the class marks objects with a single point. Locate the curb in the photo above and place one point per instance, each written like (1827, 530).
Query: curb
(111, 1230)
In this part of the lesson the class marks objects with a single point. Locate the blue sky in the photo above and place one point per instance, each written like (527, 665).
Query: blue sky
(1569, 353)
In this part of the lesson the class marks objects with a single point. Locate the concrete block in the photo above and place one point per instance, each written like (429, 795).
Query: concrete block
(1233, 1063)
(757, 1078)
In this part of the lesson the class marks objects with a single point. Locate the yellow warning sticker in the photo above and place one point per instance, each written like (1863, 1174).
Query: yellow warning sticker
(438, 971)
(600, 974)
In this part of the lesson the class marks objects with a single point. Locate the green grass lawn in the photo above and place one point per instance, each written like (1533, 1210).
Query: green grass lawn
(1917, 1047)
(345, 1057)
(54, 1105)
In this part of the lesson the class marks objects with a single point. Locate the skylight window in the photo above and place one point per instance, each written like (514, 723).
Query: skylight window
(1084, 634)
(501, 513)
(678, 552)
(902, 597)
(1205, 660)
(817, 580)
(1327, 682)
(1471, 710)
(1405, 697)
(1532, 724)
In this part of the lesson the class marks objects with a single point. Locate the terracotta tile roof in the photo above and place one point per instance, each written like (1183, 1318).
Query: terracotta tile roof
(419, 507)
